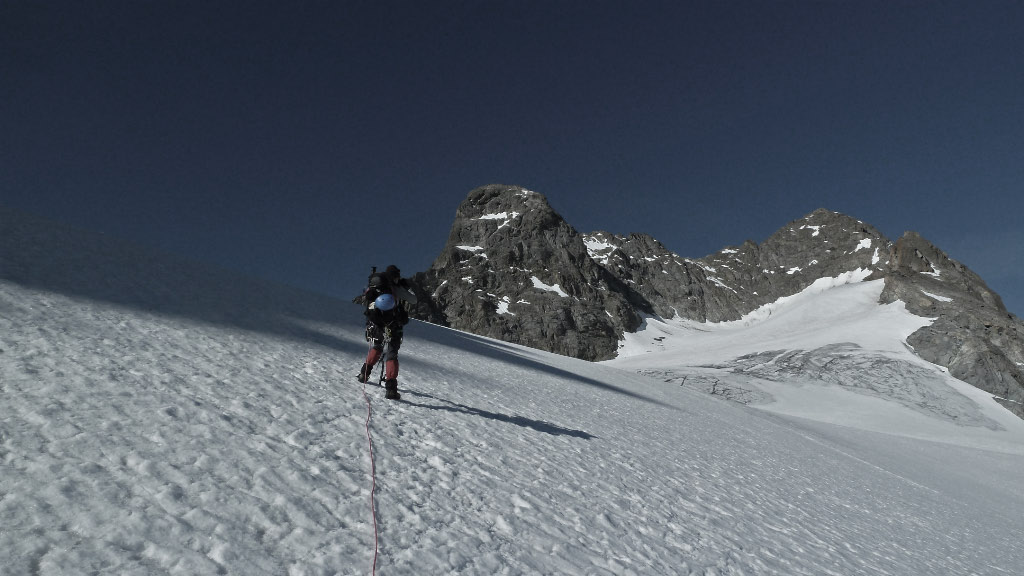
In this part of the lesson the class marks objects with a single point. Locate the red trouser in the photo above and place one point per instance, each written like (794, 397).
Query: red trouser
(390, 365)
(391, 359)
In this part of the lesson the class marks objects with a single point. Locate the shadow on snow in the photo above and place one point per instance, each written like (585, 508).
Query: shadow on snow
(517, 355)
(43, 255)
(538, 425)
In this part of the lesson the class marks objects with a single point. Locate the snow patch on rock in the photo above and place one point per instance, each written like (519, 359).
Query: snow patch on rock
(937, 297)
(537, 283)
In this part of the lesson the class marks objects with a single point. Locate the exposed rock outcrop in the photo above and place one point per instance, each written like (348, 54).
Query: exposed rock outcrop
(738, 279)
(973, 334)
(515, 270)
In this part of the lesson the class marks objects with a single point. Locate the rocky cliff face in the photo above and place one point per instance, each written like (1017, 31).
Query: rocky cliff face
(973, 334)
(738, 279)
(515, 270)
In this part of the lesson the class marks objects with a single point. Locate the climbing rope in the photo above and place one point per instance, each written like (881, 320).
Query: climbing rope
(373, 471)
(373, 477)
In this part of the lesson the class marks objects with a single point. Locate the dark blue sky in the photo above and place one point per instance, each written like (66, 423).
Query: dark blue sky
(307, 141)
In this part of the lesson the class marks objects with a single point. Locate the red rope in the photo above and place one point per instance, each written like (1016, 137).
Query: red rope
(373, 476)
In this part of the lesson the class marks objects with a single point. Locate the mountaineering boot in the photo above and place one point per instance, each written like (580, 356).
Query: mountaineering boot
(364, 373)
(391, 387)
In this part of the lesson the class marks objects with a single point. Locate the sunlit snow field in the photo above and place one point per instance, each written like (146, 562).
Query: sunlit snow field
(158, 418)
(830, 353)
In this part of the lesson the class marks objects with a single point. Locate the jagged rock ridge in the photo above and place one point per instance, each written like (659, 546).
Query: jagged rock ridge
(515, 270)
(739, 279)
(973, 334)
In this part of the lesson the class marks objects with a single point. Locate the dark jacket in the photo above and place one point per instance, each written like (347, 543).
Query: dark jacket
(385, 283)
(394, 319)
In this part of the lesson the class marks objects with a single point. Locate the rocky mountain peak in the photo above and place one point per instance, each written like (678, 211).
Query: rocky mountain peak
(514, 269)
(824, 242)
(972, 333)
(517, 260)
(668, 284)
(487, 202)
(917, 258)
(508, 230)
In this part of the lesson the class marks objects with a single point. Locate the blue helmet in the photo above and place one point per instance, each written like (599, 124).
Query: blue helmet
(384, 302)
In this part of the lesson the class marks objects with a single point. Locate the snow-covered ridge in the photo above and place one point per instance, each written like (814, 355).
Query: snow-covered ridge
(817, 287)
(634, 344)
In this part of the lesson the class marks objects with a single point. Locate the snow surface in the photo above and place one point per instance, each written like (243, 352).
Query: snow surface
(506, 216)
(937, 297)
(162, 419)
(594, 245)
(599, 249)
(499, 216)
(503, 305)
(556, 288)
(833, 354)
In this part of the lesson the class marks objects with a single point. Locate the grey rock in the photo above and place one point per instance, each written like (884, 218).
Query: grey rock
(515, 270)
(973, 334)
(739, 279)
(667, 282)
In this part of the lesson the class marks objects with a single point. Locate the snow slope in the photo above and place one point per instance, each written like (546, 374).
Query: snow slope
(159, 418)
(830, 353)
